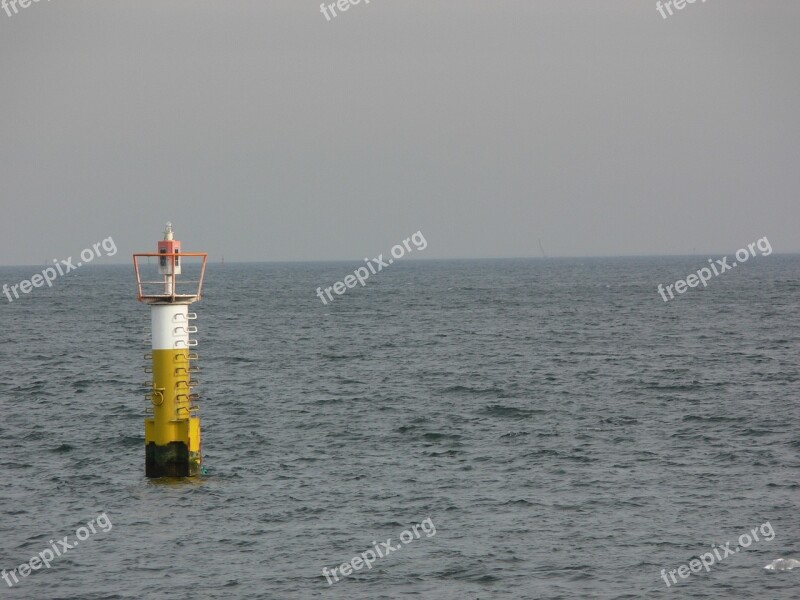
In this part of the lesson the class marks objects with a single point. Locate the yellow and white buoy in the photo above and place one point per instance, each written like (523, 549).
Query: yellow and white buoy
(172, 433)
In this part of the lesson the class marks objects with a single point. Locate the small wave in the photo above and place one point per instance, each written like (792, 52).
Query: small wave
(63, 448)
(433, 436)
(238, 359)
(474, 391)
(711, 419)
(511, 412)
(620, 420)
(82, 385)
(750, 432)
(782, 564)
(342, 356)
(443, 453)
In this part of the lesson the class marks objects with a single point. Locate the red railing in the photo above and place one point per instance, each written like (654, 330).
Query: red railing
(170, 282)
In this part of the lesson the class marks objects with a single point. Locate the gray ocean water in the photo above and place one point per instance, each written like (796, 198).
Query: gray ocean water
(567, 432)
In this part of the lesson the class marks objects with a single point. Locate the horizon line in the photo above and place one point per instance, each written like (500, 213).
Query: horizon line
(467, 258)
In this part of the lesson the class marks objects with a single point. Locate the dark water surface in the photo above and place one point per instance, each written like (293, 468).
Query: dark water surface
(568, 433)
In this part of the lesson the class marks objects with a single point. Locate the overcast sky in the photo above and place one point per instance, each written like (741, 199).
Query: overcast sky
(265, 132)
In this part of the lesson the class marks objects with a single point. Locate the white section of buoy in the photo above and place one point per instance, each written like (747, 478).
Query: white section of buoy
(170, 324)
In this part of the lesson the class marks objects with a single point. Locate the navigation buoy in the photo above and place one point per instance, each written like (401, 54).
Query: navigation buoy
(172, 423)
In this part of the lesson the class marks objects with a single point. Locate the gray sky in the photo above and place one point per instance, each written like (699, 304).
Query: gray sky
(265, 132)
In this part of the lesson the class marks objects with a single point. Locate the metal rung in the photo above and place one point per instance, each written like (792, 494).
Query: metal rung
(184, 371)
(187, 330)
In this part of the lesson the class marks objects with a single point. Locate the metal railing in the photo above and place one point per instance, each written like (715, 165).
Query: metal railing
(170, 282)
